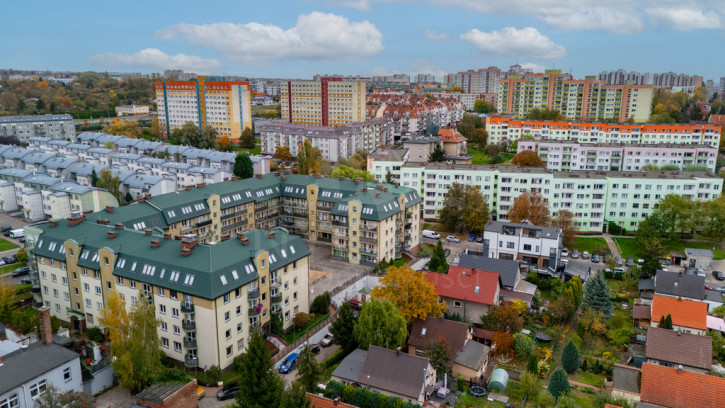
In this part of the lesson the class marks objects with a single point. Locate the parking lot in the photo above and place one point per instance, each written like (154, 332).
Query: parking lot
(329, 272)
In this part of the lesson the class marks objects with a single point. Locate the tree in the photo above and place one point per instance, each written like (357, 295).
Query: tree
(527, 158)
(475, 214)
(564, 219)
(155, 129)
(309, 371)
(651, 249)
(559, 383)
(438, 262)
(243, 167)
(464, 207)
(667, 322)
(351, 173)
(276, 323)
(128, 197)
(309, 159)
(248, 140)
(523, 345)
(438, 155)
(321, 304)
(8, 297)
(481, 106)
(389, 177)
(187, 135)
(124, 128)
(411, 291)
(135, 353)
(596, 295)
(108, 182)
(282, 153)
(478, 138)
(380, 324)
(532, 365)
(570, 357)
(208, 138)
(54, 398)
(301, 320)
(94, 178)
(544, 114)
(529, 385)
(259, 386)
(531, 206)
(343, 329)
(440, 356)
(468, 124)
(22, 256)
(225, 143)
(503, 343)
(504, 318)
(296, 396)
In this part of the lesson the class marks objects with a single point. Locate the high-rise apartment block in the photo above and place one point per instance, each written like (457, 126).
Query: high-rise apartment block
(327, 102)
(485, 80)
(658, 80)
(225, 106)
(425, 78)
(51, 126)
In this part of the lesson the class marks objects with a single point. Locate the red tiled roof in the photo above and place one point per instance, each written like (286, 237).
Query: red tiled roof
(451, 136)
(686, 313)
(424, 332)
(641, 312)
(718, 119)
(321, 402)
(675, 388)
(483, 334)
(466, 284)
(611, 406)
(679, 348)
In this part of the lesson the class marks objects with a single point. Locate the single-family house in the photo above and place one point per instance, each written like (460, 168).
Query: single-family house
(672, 348)
(679, 284)
(677, 388)
(688, 316)
(318, 401)
(467, 291)
(538, 247)
(512, 286)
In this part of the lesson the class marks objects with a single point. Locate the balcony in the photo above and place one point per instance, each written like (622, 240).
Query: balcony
(340, 223)
(254, 324)
(367, 251)
(253, 293)
(187, 307)
(342, 247)
(189, 344)
(323, 239)
(371, 240)
(340, 257)
(191, 362)
(325, 207)
(203, 223)
(188, 325)
(276, 298)
(368, 227)
(275, 283)
(35, 290)
(254, 311)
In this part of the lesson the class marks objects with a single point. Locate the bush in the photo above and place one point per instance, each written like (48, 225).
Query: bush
(570, 357)
(321, 304)
(94, 334)
(461, 383)
(214, 374)
(302, 320)
(334, 358)
(523, 345)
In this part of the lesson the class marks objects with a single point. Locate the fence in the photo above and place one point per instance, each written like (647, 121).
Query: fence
(288, 349)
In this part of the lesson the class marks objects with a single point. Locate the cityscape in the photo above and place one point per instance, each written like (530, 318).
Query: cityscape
(220, 206)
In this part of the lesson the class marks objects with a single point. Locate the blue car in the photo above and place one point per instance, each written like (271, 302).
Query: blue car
(289, 363)
(471, 237)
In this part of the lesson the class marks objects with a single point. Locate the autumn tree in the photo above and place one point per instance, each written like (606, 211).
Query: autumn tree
(527, 158)
(468, 124)
(8, 297)
(248, 140)
(109, 182)
(411, 291)
(464, 208)
(531, 206)
(187, 135)
(283, 153)
(478, 138)
(155, 128)
(243, 167)
(22, 256)
(380, 324)
(503, 343)
(441, 357)
(259, 386)
(475, 214)
(124, 128)
(504, 318)
(343, 328)
(481, 106)
(564, 219)
(438, 155)
(351, 173)
(309, 159)
(55, 398)
(135, 353)
(225, 143)
(208, 138)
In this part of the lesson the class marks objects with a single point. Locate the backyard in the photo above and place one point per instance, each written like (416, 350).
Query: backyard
(481, 157)
(591, 245)
(628, 246)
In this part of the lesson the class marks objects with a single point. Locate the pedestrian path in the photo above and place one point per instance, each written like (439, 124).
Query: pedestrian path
(613, 248)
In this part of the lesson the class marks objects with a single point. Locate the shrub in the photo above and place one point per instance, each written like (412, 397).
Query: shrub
(321, 304)
(461, 383)
(523, 345)
(214, 374)
(302, 320)
(94, 334)
(570, 357)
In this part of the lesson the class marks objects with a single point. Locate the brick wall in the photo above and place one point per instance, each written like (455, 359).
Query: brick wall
(185, 397)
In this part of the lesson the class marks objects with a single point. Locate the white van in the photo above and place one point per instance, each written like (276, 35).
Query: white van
(430, 234)
(17, 233)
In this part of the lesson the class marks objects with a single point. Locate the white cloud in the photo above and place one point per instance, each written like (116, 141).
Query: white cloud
(316, 36)
(158, 60)
(527, 42)
(536, 68)
(684, 19)
(435, 35)
(363, 5)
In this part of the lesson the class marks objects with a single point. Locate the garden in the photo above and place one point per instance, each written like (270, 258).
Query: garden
(629, 247)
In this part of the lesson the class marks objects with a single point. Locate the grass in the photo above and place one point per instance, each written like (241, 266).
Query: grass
(591, 245)
(294, 335)
(480, 156)
(590, 378)
(467, 400)
(8, 268)
(262, 109)
(399, 262)
(425, 249)
(5, 245)
(628, 247)
(228, 376)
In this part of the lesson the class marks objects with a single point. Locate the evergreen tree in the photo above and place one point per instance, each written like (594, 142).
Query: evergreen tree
(559, 383)
(668, 322)
(663, 322)
(438, 155)
(389, 177)
(94, 178)
(243, 167)
(247, 140)
(344, 329)
(259, 386)
(295, 397)
(585, 365)
(438, 261)
(128, 197)
(570, 357)
(532, 365)
(309, 372)
(596, 295)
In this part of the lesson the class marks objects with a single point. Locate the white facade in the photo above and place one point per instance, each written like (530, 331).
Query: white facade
(523, 242)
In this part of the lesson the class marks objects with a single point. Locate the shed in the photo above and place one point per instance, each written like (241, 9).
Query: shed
(698, 258)
(499, 380)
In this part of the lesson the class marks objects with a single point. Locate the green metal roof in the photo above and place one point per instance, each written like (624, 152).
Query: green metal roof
(138, 216)
(208, 272)
(373, 207)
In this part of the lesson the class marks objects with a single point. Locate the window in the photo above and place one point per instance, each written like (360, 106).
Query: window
(294, 281)
(174, 312)
(66, 374)
(286, 316)
(226, 299)
(164, 342)
(38, 388)
(239, 310)
(160, 291)
(294, 296)
(262, 264)
(229, 351)
(162, 309)
(164, 326)
(229, 334)
(132, 283)
(238, 293)
(119, 281)
(177, 346)
(108, 285)
(226, 316)
(456, 303)
(10, 402)
(177, 330)
(510, 245)
(240, 344)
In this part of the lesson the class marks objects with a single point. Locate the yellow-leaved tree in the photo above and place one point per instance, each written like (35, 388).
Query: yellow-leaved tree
(411, 291)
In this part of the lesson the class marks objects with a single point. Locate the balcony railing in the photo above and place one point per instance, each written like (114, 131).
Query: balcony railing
(368, 227)
(191, 362)
(203, 223)
(189, 344)
(188, 325)
(254, 311)
(323, 239)
(340, 223)
(371, 240)
(187, 307)
(276, 298)
(368, 251)
(275, 283)
(254, 325)
(253, 293)
(340, 246)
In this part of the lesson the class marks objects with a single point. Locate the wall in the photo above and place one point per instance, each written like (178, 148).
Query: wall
(101, 380)
(349, 292)
(183, 398)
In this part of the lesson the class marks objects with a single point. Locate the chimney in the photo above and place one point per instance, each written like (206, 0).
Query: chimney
(276, 173)
(140, 199)
(147, 231)
(200, 185)
(385, 189)
(187, 242)
(380, 187)
(109, 209)
(341, 178)
(283, 178)
(54, 223)
(679, 369)
(111, 234)
(336, 401)
(185, 251)
(397, 351)
(270, 235)
(377, 195)
(98, 221)
(76, 220)
(258, 175)
(46, 330)
(224, 238)
(155, 243)
(167, 235)
(118, 225)
(187, 188)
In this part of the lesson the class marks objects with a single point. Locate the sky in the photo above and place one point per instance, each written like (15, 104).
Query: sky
(301, 38)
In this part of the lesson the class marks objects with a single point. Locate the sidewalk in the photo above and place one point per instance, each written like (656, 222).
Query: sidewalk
(613, 248)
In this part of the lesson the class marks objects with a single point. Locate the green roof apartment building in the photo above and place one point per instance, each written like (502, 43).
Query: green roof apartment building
(594, 197)
(208, 297)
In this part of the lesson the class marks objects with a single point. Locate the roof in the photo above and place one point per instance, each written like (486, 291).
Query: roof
(698, 252)
(159, 392)
(37, 118)
(716, 323)
(317, 401)
(473, 355)
(466, 284)
(483, 334)
(641, 312)
(423, 140)
(679, 348)
(395, 372)
(350, 367)
(451, 136)
(395, 155)
(712, 295)
(686, 313)
(675, 388)
(432, 329)
(680, 284)
(507, 270)
(26, 364)
(541, 232)
(625, 378)
(646, 284)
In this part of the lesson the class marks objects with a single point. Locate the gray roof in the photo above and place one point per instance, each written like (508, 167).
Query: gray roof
(160, 392)
(713, 295)
(36, 118)
(37, 158)
(679, 348)
(546, 232)
(41, 178)
(59, 162)
(395, 155)
(73, 187)
(424, 140)
(680, 284)
(26, 364)
(142, 180)
(646, 284)
(507, 270)
(350, 367)
(395, 372)
(698, 252)
(473, 355)
(7, 346)
(625, 378)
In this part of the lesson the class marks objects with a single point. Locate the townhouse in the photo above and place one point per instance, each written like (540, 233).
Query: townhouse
(208, 298)
(500, 129)
(564, 155)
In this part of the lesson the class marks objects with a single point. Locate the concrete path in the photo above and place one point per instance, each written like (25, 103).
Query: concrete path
(613, 248)
(581, 384)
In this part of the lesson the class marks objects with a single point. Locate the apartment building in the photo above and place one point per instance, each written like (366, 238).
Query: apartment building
(594, 197)
(468, 99)
(382, 161)
(208, 298)
(334, 142)
(500, 128)
(24, 127)
(484, 80)
(415, 115)
(621, 77)
(425, 78)
(569, 155)
(327, 102)
(363, 222)
(225, 106)
(132, 110)
(524, 242)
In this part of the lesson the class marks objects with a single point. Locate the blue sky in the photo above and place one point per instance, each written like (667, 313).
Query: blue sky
(300, 38)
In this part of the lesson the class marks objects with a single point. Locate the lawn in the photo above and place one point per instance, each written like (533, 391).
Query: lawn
(467, 400)
(628, 246)
(8, 268)
(480, 156)
(5, 245)
(425, 249)
(294, 335)
(590, 378)
(591, 245)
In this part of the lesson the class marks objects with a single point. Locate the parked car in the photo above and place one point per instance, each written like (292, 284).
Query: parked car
(690, 271)
(327, 340)
(718, 275)
(10, 259)
(479, 240)
(618, 260)
(452, 238)
(2, 262)
(446, 252)
(640, 261)
(227, 392)
(6, 233)
(708, 287)
(430, 234)
(575, 254)
(585, 255)
(289, 363)
(471, 237)
(700, 272)
(200, 392)
(564, 252)
(23, 270)
(21, 240)
(630, 261)
(618, 270)
(606, 257)
(5, 228)
(315, 349)
(595, 257)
